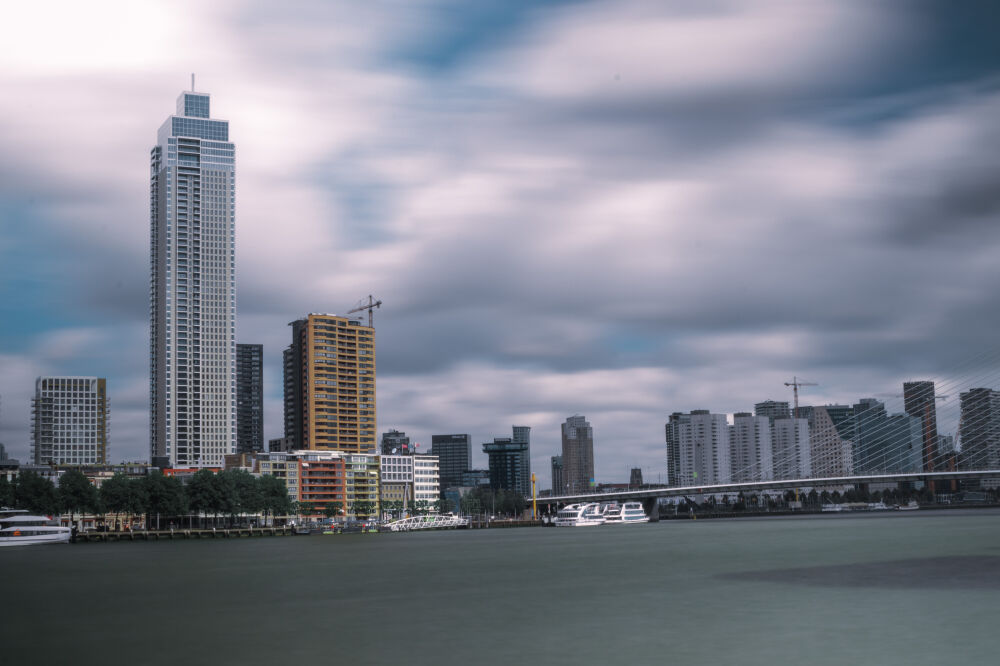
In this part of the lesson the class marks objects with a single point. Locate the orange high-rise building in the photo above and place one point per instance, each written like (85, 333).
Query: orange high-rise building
(330, 385)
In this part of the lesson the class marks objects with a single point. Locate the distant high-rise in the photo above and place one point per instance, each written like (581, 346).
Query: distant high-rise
(750, 448)
(330, 385)
(70, 421)
(249, 398)
(395, 442)
(510, 461)
(791, 449)
(577, 454)
(885, 444)
(830, 449)
(698, 449)
(192, 289)
(918, 400)
(558, 481)
(772, 409)
(635, 477)
(980, 429)
(454, 453)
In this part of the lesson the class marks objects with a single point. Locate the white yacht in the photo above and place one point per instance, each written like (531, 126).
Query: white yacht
(629, 512)
(580, 515)
(632, 512)
(19, 528)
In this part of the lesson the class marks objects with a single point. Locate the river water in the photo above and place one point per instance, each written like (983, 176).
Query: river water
(915, 588)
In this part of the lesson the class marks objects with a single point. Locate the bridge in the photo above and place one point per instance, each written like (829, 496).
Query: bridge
(432, 522)
(650, 496)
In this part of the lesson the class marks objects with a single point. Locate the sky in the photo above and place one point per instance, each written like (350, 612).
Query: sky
(620, 209)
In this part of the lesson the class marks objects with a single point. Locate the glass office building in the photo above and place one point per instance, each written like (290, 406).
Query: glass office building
(192, 289)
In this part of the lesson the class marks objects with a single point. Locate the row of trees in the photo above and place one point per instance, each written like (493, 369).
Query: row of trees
(485, 500)
(229, 493)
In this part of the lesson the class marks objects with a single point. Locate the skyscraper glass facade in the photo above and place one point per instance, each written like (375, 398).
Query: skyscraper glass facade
(192, 289)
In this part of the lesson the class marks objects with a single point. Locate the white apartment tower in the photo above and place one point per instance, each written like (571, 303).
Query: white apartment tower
(192, 289)
(791, 449)
(698, 448)
(750, 448)
(69, 424)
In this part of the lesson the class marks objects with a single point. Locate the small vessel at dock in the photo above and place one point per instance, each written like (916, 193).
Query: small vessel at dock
(19, 528)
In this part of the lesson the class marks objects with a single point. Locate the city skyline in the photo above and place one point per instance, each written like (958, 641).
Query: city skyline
(558, 219)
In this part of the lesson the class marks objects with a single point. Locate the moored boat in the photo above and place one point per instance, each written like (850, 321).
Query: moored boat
(580, 515)
(19, 528)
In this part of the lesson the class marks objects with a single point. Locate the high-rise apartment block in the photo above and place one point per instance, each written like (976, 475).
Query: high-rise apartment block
(330, 385)
(249, 398)
(919, 401)
(830, 446)
(454, 454)
(577, 455)
(698, 449)
(558, 480)
(192, 288)
(885, 444)
(70, 421)
(772, 409)
(791, 448)
(510, 461)
(980, 429)
(750, 448)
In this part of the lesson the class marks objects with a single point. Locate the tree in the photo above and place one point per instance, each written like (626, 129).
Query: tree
(203, 493)
(333, 509)
(165, 496)
(274, 495)
(77, 493)
(114, 494)
(6, 492)
(421, 507)
(120, 494)
(363, 508)
(36, 494)
(446, 505)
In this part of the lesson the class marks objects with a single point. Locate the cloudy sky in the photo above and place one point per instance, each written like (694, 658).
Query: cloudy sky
(616, 209)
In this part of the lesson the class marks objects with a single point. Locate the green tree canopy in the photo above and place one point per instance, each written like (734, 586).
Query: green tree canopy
(165, 495)
(274, 495)
(77, 494)
(36, 494)
(202, 492)
(6, 492)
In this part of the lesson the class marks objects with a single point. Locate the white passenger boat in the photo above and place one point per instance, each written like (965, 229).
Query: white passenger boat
(580, 515)
(629, 512)
(633, 512)
(19, 528)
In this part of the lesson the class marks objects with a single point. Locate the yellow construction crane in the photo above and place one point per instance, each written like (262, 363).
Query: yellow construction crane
(795, 384)
(370, 306)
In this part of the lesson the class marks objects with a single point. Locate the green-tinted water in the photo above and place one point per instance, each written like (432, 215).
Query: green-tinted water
(916, 588)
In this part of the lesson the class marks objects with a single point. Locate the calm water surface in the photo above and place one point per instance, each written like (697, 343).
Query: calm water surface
(921, 588)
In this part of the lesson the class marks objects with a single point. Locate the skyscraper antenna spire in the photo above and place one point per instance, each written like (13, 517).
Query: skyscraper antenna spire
(192, 81)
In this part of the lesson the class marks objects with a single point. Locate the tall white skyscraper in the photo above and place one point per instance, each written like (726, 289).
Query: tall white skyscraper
(192, 289)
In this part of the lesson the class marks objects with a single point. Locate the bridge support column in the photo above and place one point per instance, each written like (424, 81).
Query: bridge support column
(651, 505)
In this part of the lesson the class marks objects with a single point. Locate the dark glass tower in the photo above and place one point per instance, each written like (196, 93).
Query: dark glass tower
(249, 398)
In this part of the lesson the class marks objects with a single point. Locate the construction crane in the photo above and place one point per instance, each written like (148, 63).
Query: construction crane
(370, 306)
(795, 384)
